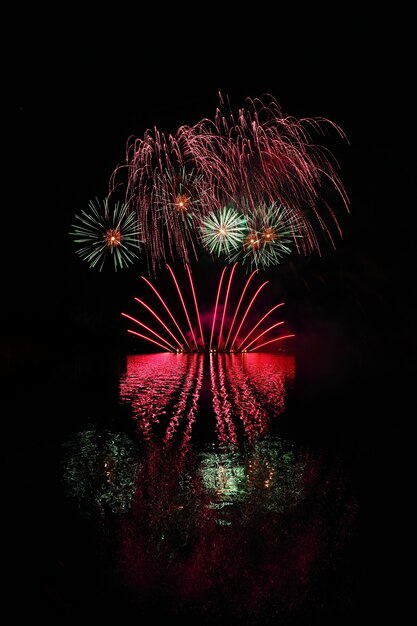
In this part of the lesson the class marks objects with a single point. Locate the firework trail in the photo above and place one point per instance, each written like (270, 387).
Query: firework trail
(250, 184)
(167, 193)
(220, 325)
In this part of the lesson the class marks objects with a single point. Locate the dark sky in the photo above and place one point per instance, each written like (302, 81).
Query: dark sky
(77, 94)
(76, 90)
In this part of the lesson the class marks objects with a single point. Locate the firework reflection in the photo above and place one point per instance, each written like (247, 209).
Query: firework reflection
(100, 470)
(242, 530)
(241, 394)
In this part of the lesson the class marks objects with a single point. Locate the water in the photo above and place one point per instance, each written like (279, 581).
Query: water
(235, 395)
(195, 487)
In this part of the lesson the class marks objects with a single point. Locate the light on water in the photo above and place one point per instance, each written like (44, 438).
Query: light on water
(204, 509)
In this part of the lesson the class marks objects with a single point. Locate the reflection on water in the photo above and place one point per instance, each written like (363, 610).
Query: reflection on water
(263, 477)
(245, 525)
(100, 472)
(243, 392)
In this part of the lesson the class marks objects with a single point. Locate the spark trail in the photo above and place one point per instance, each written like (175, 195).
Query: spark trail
(183, 327)
(250, 184)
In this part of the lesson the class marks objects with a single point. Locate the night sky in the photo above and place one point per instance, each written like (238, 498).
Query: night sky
(76, 101)
(75, 97)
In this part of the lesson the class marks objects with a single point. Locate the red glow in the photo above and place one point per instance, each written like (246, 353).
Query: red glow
(225, 306)
(149, 329)
(198, 326)
(248, 308)
(215, 308)
(183, 304)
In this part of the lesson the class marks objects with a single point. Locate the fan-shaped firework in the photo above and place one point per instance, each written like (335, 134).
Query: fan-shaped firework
(222, 232)
(254, 157)
(108, 233)
(229, 332)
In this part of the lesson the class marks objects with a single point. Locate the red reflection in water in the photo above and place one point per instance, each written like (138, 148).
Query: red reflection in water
(150, 384)
(186, 405)
(168, 392)
(247, 532)
(221, 404)
(248, 527)
(250, 410)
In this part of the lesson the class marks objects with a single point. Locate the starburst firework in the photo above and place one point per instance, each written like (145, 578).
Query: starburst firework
(222, 232)
(107, 233)
(253, 157)
(273, 231)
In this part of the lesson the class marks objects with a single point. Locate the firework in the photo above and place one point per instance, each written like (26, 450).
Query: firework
(178, 200)
(218, 322)
(107, 233)
(257, 156)
(166, 191)
(222, 232)
(265, 169)
(179, 194)
(272, 232)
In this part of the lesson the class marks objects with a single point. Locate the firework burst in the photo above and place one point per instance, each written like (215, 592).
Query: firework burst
(245, 159)
(259, 156)
(272, 232)
(178, 203)
(167, 192)
(107, 233)
(222, 232)
(181, 194)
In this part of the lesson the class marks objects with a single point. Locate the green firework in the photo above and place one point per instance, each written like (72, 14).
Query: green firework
(272, 231)
(222, 232)
(107, 233)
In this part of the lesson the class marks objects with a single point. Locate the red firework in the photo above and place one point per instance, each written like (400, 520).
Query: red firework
(255, 156)
(225, 329)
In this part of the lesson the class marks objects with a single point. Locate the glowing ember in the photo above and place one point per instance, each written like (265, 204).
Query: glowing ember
(182, 203)
(113, 237)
